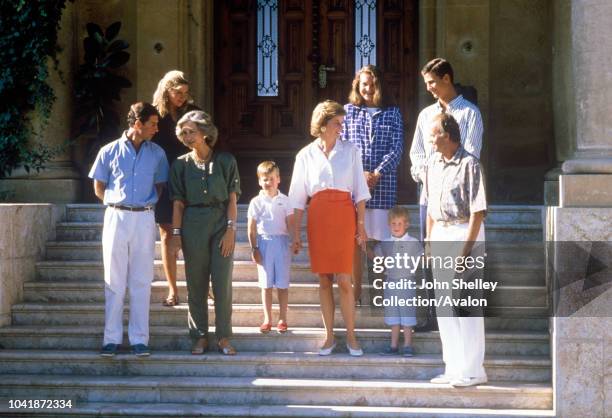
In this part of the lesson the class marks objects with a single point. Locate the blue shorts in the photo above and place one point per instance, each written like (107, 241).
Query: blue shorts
(400, 315)
(275, 269)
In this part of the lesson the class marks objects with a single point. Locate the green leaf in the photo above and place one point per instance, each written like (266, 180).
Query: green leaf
(112, 30)
(93, 29)
(117, 59)
(118, 45)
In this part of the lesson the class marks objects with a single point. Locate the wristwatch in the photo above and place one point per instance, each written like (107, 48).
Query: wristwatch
(253, 249)
(176, 232)
(231, 224)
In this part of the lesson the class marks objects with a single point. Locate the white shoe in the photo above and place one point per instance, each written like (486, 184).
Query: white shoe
(468, 381)
(354, 352)
(327, 351)
(442, 379)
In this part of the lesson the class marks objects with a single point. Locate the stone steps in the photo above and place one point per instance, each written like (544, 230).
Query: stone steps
(504, 223)
(523, 254)
(509, 214)
(274, 391)
(281, 365)
(249, 293)
(298, 340)
(243, 315)
(51, 350)
(90, 231)
(93, 270)
(112, 409)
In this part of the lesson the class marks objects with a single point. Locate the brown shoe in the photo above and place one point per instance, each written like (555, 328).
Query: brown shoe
(171, 301)
(200, 346)
(225, 347)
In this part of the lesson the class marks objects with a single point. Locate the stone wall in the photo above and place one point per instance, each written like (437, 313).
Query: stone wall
(521, 145)
(24, 230)
(504, 50)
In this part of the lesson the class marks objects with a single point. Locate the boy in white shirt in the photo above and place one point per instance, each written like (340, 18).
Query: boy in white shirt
(397, 316)
(270, 218)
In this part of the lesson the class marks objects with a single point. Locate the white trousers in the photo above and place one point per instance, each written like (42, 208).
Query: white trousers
(463, 338)
(377, 224)
(128, 248)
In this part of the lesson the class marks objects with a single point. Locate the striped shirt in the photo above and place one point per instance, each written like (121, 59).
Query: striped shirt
(379, 135)
(467, 116)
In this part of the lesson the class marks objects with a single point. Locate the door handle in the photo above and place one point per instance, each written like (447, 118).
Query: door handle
(323, 69)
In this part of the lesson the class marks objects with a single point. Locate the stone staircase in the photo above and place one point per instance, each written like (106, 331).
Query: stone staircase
(51, 349)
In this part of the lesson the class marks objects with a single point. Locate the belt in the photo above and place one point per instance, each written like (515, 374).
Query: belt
(453, 222)
(207, 205)
(131, 208)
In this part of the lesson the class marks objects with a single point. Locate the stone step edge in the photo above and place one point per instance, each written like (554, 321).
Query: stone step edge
(183, 307)
(297, 265)
(98, 244)
(270, 357)
(243, 225)
(246, 383)
(109, 409)
(245, 206)
(93, 285)
(253, 332)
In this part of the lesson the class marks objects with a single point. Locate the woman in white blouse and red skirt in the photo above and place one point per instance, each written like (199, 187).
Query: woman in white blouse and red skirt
(330, 172)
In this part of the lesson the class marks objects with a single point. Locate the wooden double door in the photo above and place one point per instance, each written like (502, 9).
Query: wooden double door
(311, 34)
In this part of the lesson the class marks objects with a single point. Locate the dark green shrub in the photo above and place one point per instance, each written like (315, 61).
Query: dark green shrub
(28, 39)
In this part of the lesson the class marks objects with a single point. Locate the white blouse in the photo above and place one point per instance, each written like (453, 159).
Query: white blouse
(313, 172)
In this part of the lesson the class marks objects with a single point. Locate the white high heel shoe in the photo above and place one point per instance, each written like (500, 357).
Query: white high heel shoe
(354, 352)
(327, 351)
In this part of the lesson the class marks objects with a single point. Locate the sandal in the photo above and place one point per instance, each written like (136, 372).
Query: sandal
(265, 327)
(171, 301)
(200, 346)
(225, 347)
(281, 326)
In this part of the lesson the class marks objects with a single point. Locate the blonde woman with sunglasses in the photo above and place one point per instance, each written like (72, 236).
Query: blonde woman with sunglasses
(172, 101)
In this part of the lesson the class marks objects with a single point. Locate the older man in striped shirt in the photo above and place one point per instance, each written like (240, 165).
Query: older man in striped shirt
(439, 80)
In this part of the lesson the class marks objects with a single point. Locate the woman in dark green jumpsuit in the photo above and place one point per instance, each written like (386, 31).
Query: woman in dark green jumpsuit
(205, 187)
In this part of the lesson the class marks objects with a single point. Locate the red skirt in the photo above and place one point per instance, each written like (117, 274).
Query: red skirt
(331, 231)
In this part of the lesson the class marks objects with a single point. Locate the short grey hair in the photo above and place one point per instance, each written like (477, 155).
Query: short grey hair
(203, 121)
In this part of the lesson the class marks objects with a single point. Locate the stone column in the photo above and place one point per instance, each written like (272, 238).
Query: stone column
(59, 181)
(582, 336)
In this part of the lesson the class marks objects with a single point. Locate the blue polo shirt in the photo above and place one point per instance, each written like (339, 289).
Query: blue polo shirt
(130, 176)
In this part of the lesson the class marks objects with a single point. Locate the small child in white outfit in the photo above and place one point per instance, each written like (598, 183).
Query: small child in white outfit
(400, 316)
(270, 218)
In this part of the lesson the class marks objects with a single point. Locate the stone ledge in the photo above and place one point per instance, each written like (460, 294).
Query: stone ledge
(585, 190)
(42, 190)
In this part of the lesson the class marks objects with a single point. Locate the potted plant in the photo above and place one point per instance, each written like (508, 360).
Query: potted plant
(97, 91)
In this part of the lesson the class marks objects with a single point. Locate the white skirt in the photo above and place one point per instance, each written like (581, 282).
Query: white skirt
(377, 224)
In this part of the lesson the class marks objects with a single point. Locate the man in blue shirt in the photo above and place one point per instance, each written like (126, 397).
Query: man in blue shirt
(128, 175)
